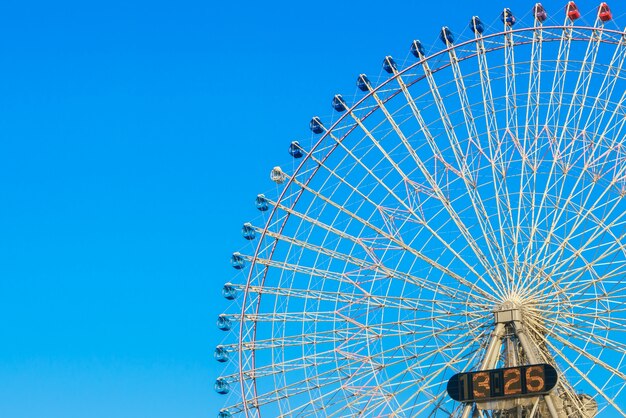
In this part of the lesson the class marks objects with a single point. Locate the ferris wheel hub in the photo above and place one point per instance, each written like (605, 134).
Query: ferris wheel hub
(512, 309)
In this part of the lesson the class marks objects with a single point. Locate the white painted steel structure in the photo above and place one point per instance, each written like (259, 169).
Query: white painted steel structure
(488, 176)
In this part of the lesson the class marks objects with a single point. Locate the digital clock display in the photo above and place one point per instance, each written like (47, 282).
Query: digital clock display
(510, 382)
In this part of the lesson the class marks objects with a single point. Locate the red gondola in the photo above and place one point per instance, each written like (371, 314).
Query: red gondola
(604, 13)
(572, 11)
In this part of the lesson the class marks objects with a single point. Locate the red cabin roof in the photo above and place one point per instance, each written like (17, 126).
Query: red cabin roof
(604, 13)
(572, 11)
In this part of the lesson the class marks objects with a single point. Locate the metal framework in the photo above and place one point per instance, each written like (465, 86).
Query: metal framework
(465, 214)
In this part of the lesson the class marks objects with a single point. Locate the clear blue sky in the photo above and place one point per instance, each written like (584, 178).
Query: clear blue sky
(134, 137)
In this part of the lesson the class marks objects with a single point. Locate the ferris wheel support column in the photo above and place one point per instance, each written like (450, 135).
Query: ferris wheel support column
(530, 353)
(491, 356)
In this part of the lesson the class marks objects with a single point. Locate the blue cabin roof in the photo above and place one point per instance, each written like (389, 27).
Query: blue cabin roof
(316, 125)
(476, 25)
(261, 203)
(237, 261)
(220, 354)
(446, 36)
(507, 17)
(417, 49)
(223, 322)
(222, 386)
(389, 65)
(338, 103)
(295, 150)
(229, 291)
(363, 83)
(247, 231)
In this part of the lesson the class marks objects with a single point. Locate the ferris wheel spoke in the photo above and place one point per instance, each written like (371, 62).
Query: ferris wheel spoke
(581, 89)
(363, 396)
(572, 279)
(470, 179)
(531, 138)
(437, 403)
(563, 275)
(581, 219)
(495, 143)
(600, 104)
(613, 125)
(447, 308)
(416, 217)
(423, 378)
(425, 381)
(349, 333)
(605, 318)
(400, 243)
(533, 96)
(575, 332)
(475, 150)
(589, 214)
(605, 297)
(554, 108)
(585, 377)
(512, 130)
(598, 162)
(584, 303)
(434, 401)
(362, 330)
(431, 178)
(434, 397)
(389, 302)
(363, 267)
(573, 276)
(323, 381)
(573, 118)
(584, 353)
(457, 220)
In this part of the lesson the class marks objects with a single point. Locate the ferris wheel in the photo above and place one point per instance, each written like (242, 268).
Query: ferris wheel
(452, 244)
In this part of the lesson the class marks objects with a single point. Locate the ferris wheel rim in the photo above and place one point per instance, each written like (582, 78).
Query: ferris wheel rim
(323, 137)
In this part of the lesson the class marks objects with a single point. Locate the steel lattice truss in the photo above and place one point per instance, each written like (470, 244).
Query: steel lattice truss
(492, 171)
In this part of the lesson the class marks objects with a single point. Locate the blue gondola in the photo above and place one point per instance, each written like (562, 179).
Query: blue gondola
(229, 291)
(316, 125)
(446, 36)
(338, 104)
(224, 414)
(261, 203)
(221, 354)
(476, 25)
(389, 65)
(247, 231)
(237, 261)
(223, 322)
(417, 49)
(294, 150)
(363, 83)
(507, 17)
(222, 386)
